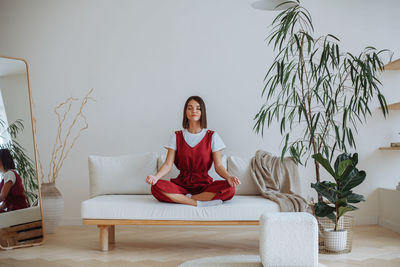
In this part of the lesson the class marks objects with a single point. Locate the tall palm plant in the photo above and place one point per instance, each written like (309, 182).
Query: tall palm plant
(24, 164)
(313, 84)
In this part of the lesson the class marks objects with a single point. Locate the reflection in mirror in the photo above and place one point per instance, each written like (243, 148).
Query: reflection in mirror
(20, 212)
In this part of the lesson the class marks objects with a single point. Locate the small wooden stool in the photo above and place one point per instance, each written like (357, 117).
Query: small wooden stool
(21, 234)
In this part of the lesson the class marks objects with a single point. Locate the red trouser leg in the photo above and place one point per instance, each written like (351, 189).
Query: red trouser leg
(222, 189)
(168, 187)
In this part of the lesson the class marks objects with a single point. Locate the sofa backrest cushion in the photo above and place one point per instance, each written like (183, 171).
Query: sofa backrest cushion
(122, 174)
(240, 167)
(175, 172)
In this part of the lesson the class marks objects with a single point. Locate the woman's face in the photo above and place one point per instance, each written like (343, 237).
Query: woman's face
(193, 111)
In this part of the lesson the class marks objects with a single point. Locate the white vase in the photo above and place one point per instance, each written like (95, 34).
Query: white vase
(335, 240)
(53, 207)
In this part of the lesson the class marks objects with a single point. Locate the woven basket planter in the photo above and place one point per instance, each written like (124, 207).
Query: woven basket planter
(345, 222)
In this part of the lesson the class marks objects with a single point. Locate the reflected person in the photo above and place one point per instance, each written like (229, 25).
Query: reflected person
(12, 194)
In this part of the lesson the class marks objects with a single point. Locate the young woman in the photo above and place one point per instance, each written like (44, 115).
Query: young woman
(12, 196)
(193, 150)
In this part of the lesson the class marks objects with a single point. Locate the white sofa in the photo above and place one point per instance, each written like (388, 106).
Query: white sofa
(119, 195)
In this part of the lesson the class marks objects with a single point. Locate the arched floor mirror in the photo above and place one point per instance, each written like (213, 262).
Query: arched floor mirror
(21, 220)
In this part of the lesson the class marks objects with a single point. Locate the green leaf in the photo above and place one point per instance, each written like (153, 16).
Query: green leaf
(326, 189)
(332, 216)
(383, 104)
(349, 169)
(354, 198)
(343, 210)
(343, 166)
(334, 37)
(325, 163)
(321, 209)
(283, 123)
(339, 159)
(354, 179)
(285, 146)
(341, 202)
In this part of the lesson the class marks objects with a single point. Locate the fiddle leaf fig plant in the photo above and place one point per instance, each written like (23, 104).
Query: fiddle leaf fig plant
(339, 194)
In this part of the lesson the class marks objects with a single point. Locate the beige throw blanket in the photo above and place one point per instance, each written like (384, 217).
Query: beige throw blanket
(278, 180)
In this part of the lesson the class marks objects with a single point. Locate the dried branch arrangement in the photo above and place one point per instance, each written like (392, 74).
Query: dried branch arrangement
(65, 139)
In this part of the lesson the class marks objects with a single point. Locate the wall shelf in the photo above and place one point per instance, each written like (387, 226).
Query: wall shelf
(394, 106)
(394, 65)
(390, 148)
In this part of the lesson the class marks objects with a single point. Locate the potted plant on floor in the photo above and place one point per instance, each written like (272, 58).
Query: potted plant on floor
(339, 195)
(314, 90)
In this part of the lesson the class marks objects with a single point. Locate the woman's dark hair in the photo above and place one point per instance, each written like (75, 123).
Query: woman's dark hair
(203, 117)
(7, 159)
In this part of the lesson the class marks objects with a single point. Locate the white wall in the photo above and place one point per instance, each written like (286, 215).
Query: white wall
(144, 58)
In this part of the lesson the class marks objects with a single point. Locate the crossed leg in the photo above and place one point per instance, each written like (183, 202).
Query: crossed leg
(180, 198)
(204, 196)
(183, 199)
(177, 194)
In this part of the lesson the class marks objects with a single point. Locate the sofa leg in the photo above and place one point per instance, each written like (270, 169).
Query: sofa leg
(104, 232)
(111, 234)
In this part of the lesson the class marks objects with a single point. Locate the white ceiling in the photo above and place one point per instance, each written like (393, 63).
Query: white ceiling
(11, 66)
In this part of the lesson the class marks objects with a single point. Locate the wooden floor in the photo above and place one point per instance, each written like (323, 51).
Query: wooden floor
(170, 245)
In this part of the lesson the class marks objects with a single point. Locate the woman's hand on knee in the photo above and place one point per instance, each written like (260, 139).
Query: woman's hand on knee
(152, 179)
(233, 181)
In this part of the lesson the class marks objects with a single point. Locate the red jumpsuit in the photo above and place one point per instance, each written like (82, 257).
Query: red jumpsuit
(15, 199)
(193, 163)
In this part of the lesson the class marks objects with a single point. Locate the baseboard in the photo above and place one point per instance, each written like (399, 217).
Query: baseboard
(365, 220)
(389, 224)
(72, 221)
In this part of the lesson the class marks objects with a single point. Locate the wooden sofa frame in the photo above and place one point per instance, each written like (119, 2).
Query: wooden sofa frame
(107, 227)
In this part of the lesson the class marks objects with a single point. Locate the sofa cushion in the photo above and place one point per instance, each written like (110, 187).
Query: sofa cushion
(175, 172)
(122, 174)
(240, 167)
(146, 207)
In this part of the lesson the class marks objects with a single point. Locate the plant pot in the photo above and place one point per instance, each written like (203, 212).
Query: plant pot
(53, 207)
(335, 240)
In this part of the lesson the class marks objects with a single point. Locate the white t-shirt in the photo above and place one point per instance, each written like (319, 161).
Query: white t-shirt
(9, 176)
(193, 139)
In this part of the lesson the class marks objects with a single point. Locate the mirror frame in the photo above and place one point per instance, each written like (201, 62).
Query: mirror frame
(36, 160)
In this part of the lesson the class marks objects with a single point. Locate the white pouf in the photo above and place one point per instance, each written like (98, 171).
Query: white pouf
(288, 239)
